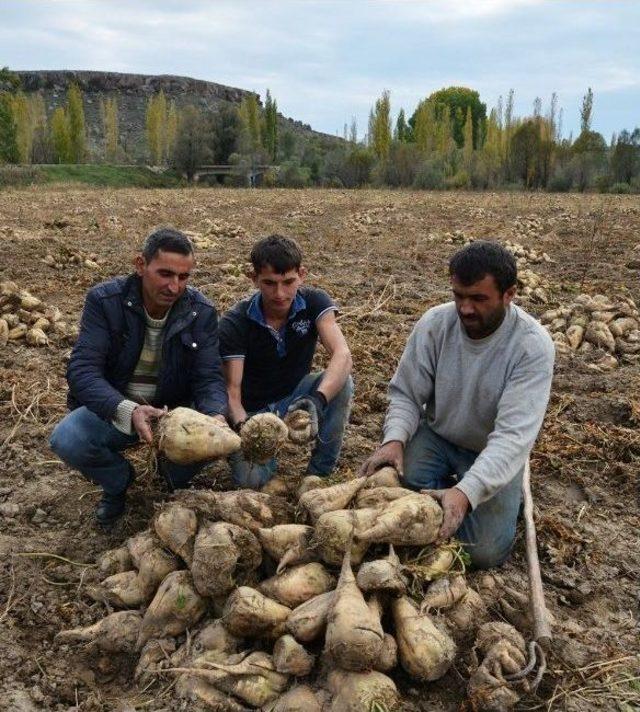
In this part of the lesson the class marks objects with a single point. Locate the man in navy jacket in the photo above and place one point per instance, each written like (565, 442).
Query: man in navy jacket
(147, 341)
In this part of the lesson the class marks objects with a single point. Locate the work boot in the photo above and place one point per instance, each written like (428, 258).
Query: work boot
(111, 506)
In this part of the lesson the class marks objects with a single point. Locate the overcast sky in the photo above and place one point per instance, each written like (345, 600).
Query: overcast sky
(326, 61)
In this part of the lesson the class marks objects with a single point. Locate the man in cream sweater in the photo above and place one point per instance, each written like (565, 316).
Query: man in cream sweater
(467, 401)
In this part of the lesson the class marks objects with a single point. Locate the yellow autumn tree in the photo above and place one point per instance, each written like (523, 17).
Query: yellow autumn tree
(24, 126)
(77, 129)
(60, 136)
(109, 113)
(156, 123)
(381, 140)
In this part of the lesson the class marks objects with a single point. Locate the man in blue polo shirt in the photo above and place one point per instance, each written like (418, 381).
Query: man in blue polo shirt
(267, 342)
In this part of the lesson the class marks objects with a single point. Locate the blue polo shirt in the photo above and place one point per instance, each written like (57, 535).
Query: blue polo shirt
(275, 361)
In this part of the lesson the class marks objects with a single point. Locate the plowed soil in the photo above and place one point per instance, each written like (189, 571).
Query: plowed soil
(383, 257)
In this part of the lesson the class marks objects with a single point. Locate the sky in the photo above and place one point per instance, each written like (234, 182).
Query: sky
(326, 61)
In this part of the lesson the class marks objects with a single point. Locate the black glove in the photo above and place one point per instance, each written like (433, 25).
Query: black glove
(315, 404)
(237, 427)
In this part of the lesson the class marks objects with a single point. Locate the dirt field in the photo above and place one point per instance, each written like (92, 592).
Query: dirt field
(383, 256)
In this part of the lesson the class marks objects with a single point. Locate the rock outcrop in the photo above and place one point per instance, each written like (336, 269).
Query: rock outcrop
(132, 92)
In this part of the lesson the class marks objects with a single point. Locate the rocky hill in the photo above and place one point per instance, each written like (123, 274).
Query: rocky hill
(133, 92)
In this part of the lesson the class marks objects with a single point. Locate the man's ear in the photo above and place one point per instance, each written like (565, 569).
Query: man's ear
(139, 263)
(302, 272)
(508, 296)
(253, 276)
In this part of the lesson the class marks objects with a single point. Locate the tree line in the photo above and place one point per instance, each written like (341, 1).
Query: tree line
(449, 141)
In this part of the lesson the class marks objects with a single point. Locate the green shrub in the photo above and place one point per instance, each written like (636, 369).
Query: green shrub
(620, 188)
(430, 175)
(457, 181)
(560, 182)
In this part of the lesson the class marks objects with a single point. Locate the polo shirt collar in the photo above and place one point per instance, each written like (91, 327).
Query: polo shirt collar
(255, 312)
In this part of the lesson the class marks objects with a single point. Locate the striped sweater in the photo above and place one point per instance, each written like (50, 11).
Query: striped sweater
(141, 389)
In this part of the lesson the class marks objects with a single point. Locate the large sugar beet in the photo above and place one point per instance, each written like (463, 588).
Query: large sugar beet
(291, 658)
(384, 477)
(116, 633)
(224, 555)
(378, 497)
(288, 544)
(114, 561)
(251, 678)
(308, 621)
(334, 530)
(298, 699)
(249, 614)
(197, 689)
(175, 607)
(186, 437)
(155, 565)
(414, 520)
(246, 508)
(426, 651)
(354, 633)
(120, 590)
(382, 575)
(298, 584)
(176, 526)
(329, 499)
(361, 691)
(262, 437)
(444, 593)
(139, 544)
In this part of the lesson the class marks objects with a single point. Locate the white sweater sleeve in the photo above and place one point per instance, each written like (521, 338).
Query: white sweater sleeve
(411, 386)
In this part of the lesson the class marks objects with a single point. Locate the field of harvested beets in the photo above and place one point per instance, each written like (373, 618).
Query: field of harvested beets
(382, 256)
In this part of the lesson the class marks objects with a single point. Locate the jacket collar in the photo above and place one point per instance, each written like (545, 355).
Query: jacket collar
(182, 312)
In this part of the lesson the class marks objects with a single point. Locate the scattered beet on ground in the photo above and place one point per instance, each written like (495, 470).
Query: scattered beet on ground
(383, 257)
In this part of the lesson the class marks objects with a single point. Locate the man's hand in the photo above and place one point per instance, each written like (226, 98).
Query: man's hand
(315, 404)
(391, 453)
(454, 505)
(237, 416)
(141, 421)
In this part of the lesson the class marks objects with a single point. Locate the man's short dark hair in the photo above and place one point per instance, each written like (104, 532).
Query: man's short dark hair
(168, 240)
(478, 259)
(280, 253)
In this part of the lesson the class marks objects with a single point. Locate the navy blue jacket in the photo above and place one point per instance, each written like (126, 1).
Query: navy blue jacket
(111, 337)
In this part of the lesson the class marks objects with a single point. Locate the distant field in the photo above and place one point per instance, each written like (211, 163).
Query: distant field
(88, 174)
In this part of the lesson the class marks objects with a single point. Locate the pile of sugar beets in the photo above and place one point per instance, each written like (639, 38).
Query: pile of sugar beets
(250, 600)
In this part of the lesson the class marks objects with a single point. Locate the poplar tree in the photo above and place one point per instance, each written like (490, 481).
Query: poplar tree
(156, 124)
(370, 128)
(401, 132)
(353, 131)
(382, 126)
(77, 131)
(424, 126)
(109, 112)
(467, 150)
(8, 145)
(40, 150)
(60, 136)
(585, 112)
(270, 135)
(171, 132)
(492, 148)
(24, 127)
(250, 118)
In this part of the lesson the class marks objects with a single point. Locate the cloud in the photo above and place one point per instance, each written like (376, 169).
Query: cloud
(328, 60)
